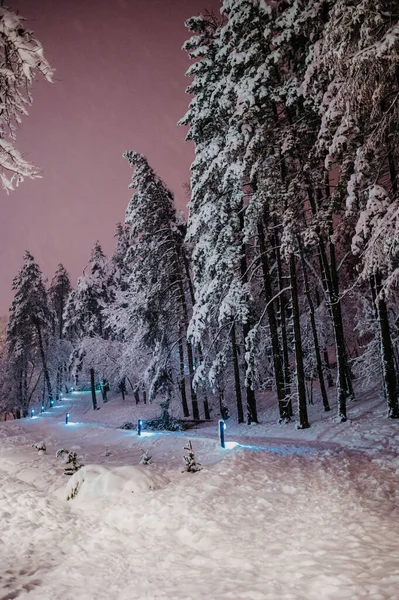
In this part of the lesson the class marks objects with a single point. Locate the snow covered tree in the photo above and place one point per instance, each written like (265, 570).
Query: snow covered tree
(29, 329)
(59, 290)
(215, 225)
(83, 314)
(119, 264)
(21, 57)
(157, 277)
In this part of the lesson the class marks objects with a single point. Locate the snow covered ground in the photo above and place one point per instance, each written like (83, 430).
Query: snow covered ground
(312, 515)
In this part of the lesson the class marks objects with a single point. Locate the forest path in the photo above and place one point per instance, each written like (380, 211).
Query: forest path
(252, 525)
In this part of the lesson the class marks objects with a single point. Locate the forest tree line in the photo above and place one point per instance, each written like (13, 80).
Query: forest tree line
(286, 270)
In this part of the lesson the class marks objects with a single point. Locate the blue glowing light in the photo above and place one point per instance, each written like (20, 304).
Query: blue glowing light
(42, 409)
(51, 403)
(32, 412)
(66, 418)
(139, 426)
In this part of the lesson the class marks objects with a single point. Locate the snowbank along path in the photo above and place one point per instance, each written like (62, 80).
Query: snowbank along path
(292, 524)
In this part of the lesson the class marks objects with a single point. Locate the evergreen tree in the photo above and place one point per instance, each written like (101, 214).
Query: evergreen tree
(84, 312)
(29, 328)
(59, 290)
(157, 277)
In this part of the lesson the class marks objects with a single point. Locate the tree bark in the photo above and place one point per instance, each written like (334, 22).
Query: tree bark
(277, 364)
(335, 308)
(93, 389)
(300, 374)
(182, 382)
(282, 303)
(199, 350)
(387, 355)
(44, 362)
(252, 415)
(314, 332)
(237, 383)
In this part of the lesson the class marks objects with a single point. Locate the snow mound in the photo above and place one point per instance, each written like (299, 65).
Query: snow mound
(93, 482)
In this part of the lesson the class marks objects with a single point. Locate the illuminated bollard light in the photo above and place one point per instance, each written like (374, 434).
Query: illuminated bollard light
(139, 426)
(66, 418)
(41, 409)
(32, 412)
(222, 427)
(51, 403)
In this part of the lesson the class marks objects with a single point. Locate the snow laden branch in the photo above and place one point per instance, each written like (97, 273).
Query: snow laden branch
(21, 57)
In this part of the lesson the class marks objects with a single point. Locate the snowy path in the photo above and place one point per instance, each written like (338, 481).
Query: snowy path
(252, 525)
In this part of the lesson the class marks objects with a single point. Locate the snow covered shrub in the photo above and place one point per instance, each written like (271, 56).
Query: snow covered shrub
(160, 425)
(93, 482)
(128, 425)
(40, 447)
(145, 459)
(190, 460)
(70, 460)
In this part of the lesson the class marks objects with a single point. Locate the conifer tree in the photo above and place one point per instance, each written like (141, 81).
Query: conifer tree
(157, 277)
(29, 328)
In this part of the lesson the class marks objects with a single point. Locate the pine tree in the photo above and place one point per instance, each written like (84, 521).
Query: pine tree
(59, 290)
(190, 461)
(157, 278)
(29, 328)
(84, 312)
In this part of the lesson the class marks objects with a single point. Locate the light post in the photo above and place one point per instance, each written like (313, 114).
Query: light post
(222, 427)
(139, 426)
(66, 418)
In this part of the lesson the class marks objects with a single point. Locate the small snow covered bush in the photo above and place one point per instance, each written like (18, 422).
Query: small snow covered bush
(190, 460)
(40, 447)
(70, 460)
(93, 482)
(145, 459)
(128, 425)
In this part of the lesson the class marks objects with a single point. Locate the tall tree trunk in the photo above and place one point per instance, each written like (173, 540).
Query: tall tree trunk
(300, 374)
(182, 382)
(184, 309)
(335, 308)
(199, 349)
(93, 389)
(25, 397)
(314, 332)
(193, 393)
(237, 383)
(387, 355)
(207, 413)
(330, 280)
(224, 411)
(252, 415)
(282, 304)
(277, 364)
(58, 385)
(44, 362)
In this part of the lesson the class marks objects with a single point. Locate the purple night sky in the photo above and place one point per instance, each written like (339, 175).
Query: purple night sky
(119, 85)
